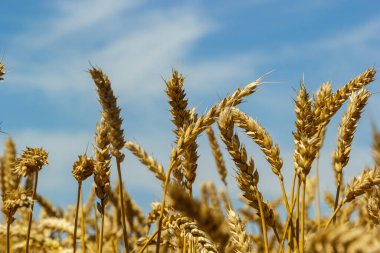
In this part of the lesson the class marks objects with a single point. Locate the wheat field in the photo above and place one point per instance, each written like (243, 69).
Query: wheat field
(111, 221)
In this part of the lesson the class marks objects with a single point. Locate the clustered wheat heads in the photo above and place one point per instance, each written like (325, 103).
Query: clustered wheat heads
(182, 223)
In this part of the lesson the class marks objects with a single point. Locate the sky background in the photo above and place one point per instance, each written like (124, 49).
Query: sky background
(48, 98)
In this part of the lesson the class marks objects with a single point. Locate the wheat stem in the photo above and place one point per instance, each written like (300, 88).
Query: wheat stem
(288, 222)
(298, 211)
(335, 213)
(318, 200)
(121, 196)
(303, 210)
(101, 226)
(338, 191)
(148, 241)
(8, 235)
(31, 211)
(263, 225)
(83, 224)
(76, 217)
(159, 226)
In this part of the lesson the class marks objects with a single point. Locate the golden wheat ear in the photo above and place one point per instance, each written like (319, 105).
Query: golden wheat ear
(182, 117)
(9, 180)
(218, 157)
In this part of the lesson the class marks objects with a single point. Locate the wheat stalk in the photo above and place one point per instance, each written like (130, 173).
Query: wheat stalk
(102, 171)
(82, 169)
(31, 162)
(111, 114)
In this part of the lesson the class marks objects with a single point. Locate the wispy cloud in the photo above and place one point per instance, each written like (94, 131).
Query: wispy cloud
(135, 53)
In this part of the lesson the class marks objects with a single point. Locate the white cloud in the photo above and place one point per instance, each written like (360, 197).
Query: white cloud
(73, 18)
(358, 37)
(135, 54)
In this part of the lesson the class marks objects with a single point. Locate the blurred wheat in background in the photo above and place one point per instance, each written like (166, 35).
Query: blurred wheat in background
(109, 220)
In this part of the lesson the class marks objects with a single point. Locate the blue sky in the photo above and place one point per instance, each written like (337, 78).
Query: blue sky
(49, 100)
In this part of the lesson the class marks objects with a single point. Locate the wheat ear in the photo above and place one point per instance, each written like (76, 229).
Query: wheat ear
(218, 157)
(346, 134)
(240, 240)
(182, 117)
(12, 201)
(260, 136)
(148, 161)
(359, 185)
(247, 176)
(111, 114)
(191, 230)
(9, 179)
(102, 172)
(306, 142)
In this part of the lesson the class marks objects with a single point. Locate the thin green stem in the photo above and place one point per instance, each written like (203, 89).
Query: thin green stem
(31, 212)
